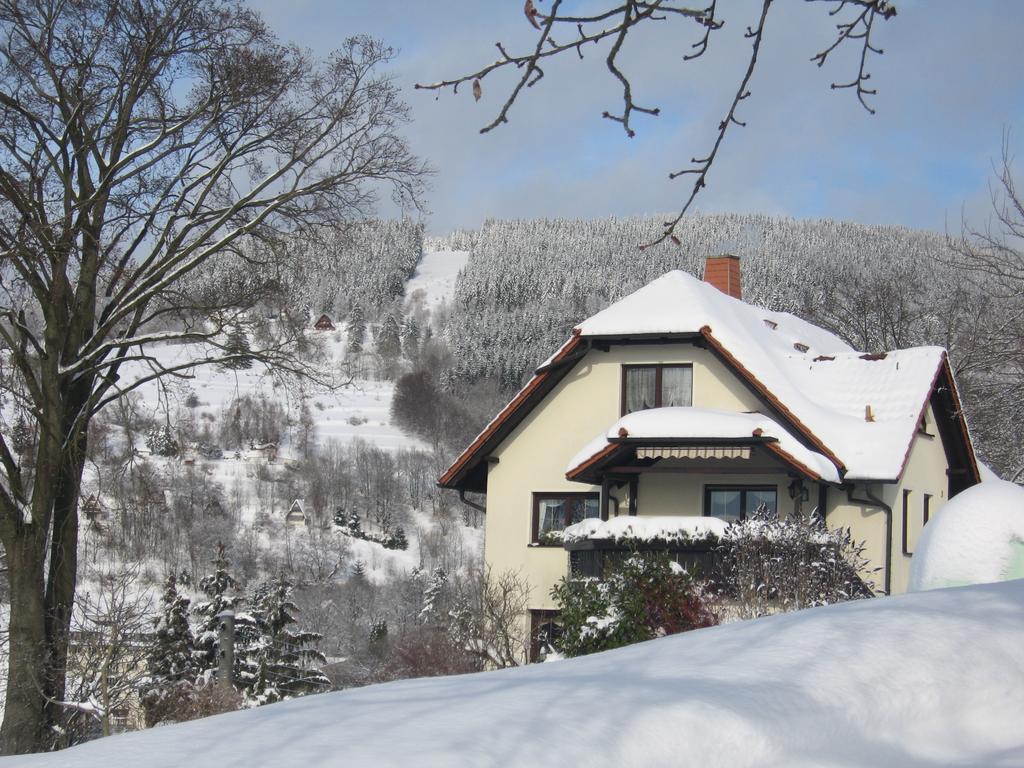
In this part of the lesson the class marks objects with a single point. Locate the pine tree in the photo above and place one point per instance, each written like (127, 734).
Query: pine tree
(237, 345)
(389, 337)
(434, 597)
(217, 588)
(171, 658)
(359, 571)
(354, 525)
(356, 328)
(396, 539)
(410, 335)
(162, 442)
(286, 666)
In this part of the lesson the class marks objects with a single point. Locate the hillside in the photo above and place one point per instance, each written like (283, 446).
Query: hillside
(924, 679)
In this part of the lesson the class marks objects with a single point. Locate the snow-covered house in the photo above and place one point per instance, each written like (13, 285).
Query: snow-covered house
(682, 400)
(324, 323)
(296, 514)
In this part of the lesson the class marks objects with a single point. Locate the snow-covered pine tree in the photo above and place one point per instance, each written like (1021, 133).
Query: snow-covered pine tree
(389, 337)
(237, 344)
(162, 442)
(359, 571)
(435, 597)
(356, 328)
(287, 666)
(410, 337)
(397, 539)
(354, 525)
(218, 587)
(171, 659)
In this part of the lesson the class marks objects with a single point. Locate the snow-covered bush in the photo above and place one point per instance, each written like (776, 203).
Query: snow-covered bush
(643, 597)
(977, 537)
(162, 442)
(771, 564)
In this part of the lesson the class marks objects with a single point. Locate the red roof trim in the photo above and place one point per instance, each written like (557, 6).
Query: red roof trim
(509, 410)
(772, 399)
(604, 453)
(799, 467)
(965, 433)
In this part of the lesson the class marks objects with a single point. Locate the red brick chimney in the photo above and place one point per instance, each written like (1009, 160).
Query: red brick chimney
(723, 272)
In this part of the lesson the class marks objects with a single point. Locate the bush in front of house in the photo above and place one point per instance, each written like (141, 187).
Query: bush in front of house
(644, 596)
(772, 564)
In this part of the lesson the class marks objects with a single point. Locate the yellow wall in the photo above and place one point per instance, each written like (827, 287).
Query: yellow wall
(582, 406)
(925, 472)
(586, 402)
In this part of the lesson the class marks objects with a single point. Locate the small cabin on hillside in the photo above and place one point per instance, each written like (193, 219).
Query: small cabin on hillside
(683, 404)
(296, 514)
(324, 323)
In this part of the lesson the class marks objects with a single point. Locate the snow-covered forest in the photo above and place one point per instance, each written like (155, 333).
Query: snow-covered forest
(527, 282)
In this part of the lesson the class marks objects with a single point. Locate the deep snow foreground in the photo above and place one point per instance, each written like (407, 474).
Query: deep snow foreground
(927, 679)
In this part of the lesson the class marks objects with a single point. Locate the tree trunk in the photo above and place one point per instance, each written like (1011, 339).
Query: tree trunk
(63, 572)
(23, 728)
(41, 607)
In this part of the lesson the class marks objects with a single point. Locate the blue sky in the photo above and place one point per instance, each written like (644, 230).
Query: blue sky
(949, 86)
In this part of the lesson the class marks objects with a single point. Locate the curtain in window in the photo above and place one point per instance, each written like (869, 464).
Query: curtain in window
(677, 386)
(552, 515)
(640, 388)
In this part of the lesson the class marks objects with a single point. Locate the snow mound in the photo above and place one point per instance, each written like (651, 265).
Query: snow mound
(976, 538)
(654, 528)
(925, 679)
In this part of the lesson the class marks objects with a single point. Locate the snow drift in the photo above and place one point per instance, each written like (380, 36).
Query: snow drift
(977, 537)
(926, 679)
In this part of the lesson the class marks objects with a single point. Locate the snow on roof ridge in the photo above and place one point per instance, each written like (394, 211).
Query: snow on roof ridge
(823, 382)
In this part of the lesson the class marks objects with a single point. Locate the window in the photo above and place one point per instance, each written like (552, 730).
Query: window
(906, 523)
(656, 386)
(927, 508)
(545, 630)
(552, 512)
(735, 502)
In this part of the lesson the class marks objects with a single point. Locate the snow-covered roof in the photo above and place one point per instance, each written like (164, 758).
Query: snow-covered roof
(685, 423)
(859, 410)
(816, 376)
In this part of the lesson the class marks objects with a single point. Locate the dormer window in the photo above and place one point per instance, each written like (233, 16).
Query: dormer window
(656, 386)
(771, 323)
(800, 347)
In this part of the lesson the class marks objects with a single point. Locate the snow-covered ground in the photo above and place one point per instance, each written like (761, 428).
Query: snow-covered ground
(357, 412)
(926, 679)
(435, 276)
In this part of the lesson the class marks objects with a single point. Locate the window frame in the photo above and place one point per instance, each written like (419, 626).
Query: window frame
(906, 522)
(742, 488)
(539, 496)
(538, 618)
(659, 369)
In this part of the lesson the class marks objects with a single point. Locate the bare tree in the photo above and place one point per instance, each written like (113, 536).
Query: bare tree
(488, 618)
(561, 33)
(151, 154)
(991, 257)
(107, 660)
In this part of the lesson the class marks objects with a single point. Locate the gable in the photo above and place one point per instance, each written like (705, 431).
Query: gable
(859, 410)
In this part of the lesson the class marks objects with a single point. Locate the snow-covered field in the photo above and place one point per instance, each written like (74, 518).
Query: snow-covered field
(926, 679)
